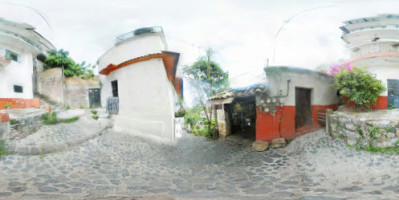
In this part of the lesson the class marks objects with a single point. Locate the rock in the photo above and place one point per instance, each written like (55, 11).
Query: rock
(390, 135)
(397, 132)
(260, 145)
(278, 143)
(350, 126)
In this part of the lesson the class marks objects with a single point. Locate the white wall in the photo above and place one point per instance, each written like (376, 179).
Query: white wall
(384, 68)
(146, 103)
(134, 47)
(322, 92)
(17, 73)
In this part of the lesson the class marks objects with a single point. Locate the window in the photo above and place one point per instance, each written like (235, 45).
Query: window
(18, 89)
(12, 56)
(114, 88)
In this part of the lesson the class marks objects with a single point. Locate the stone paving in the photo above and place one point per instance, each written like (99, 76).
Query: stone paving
(117, 166)
(59, 137)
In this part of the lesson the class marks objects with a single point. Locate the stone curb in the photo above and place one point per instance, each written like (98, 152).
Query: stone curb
(46, 148)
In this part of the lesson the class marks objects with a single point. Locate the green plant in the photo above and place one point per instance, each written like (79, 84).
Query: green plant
(358, 86)
(3, 148)
(68, 107)
(50, 119)
(42, 156)
(94, 112)
(390, 107)
(7, 106)
(208, 78)
(374, 131)
(61, 58)
(390, 129)
(359, 130)
(95, 117)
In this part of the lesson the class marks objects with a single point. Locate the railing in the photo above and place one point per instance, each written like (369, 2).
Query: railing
(321, 116)
(139, 31)
(33, 44)
(113, 105)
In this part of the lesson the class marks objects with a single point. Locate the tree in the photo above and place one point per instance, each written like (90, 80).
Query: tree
(61, 58)
(358, 85)
(208, 78)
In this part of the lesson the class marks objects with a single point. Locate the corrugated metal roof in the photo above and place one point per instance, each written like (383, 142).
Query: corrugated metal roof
(259, 88)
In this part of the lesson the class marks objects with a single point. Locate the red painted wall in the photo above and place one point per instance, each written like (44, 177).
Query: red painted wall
(4, 117)
(267, 125)
(382, 103)
(19, 103)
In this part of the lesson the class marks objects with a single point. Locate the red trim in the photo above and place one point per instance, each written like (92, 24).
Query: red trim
(170, 61)
(19, 103)
(267, 125)
(389, 54)
(5, 60)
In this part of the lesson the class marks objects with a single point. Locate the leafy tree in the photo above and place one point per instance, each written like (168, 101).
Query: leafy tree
(358, 85)
(61, 58)
(208, 78)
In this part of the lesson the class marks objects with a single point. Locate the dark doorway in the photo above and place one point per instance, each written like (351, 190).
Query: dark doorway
(243, 117)
(393, 93)
(303, 110)
(94, 98)
(115, 88)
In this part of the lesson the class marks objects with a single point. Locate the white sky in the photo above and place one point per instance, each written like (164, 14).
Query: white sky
(240, 31)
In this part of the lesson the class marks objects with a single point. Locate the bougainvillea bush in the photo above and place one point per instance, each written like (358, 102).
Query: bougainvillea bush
(357, 85)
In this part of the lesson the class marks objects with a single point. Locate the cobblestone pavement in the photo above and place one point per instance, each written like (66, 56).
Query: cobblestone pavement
(115, 166)
(59, 137)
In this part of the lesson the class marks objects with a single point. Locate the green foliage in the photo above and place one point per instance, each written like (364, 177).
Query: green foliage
(358, 86)
(95, 117)
(391, 107)
(3, 149)
(50, 119)
(374, 131)
(179, 104)
(209, 74)
(389, 150)
(192, 116)
(61, 58)
(94, 112)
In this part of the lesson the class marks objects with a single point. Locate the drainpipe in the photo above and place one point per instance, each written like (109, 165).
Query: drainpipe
(281, 107)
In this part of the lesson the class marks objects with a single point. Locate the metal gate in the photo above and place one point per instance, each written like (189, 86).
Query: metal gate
(94, 98)
(113, 105)
(393, 93)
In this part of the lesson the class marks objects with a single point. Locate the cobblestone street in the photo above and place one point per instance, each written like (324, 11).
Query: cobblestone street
(115, 165)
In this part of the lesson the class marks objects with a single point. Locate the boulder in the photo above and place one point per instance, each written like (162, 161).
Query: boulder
(278, 143)
(260, 145)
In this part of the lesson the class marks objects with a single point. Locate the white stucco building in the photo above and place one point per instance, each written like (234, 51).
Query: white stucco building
(140, 73)
(373, 42)
(22, 51)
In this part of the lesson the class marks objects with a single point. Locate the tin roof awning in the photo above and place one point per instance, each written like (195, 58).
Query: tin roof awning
(222, 101)
(228, 96)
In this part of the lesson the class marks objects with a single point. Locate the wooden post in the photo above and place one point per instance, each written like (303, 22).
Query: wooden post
(329, 111)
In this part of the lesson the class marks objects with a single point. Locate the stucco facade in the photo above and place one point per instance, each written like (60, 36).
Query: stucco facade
(372, 42)
(20, 48)
(141, 73)
(287, 105)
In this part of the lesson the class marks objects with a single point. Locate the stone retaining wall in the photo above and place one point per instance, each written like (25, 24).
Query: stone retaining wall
(375, 129)
(25, 126)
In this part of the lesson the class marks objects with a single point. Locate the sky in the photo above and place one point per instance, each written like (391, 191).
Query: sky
(241, 32)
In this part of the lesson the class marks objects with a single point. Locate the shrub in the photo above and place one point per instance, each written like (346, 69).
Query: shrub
(358, 85)
(52, 119)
